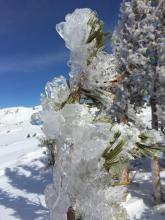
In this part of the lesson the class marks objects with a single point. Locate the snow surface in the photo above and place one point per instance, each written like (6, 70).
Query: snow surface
(139, 202)
(23, 178)
(22, 175)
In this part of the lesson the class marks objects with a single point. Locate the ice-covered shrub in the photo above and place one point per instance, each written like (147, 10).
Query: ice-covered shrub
(89, 142)
(80, 178)
(78, 170)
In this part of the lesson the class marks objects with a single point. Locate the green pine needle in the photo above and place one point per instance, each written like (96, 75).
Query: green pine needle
(111, 155)
(143, 137)
(150, 151)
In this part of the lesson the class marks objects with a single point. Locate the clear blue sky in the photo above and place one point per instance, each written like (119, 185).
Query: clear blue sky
(31, 51)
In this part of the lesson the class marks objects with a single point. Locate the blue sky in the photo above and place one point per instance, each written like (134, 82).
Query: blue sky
(31, 51)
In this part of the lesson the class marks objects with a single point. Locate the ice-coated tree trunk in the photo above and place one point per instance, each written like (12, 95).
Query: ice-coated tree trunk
(155, 167)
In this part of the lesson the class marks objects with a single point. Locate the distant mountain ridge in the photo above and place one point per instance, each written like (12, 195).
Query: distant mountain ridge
(17, 114)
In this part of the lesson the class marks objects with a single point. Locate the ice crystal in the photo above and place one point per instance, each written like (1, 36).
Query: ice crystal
(80, 31)
(101, 72)
(78, 167)
(56, 93)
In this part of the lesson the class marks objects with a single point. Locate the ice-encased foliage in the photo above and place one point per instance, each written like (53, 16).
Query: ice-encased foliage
(99, 79)
(79, 179)
(87, 143)
(82, 33)
(101, 72)
(56, 93)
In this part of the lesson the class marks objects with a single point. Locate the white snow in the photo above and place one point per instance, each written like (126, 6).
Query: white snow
(22, 175)
(23, 179)
(139, 203)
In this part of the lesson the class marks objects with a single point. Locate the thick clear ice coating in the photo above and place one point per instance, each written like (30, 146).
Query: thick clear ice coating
(101, 72)
(77, 172)
(79, 179)
(56, 93)
(76, 30)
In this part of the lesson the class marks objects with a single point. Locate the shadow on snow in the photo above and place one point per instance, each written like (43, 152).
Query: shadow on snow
(24, 208)
(143, 189)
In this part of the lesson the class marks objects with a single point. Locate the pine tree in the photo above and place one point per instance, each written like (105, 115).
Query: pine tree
(129, 50)
(139, 34)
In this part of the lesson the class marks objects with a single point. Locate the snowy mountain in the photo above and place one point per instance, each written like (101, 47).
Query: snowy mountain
(22, 175)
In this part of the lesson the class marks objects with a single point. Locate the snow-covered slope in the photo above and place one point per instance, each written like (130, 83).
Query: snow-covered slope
(139, 203)
(22, 175)
(23, 178)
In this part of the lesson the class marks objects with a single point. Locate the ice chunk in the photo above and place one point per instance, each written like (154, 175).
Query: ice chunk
(101, 72)
(79, 31)
(56, 93)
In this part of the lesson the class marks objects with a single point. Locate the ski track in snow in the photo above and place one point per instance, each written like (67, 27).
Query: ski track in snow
(22, 175)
